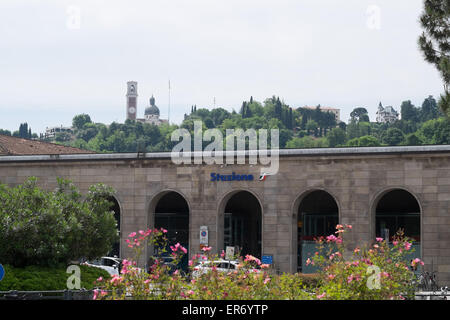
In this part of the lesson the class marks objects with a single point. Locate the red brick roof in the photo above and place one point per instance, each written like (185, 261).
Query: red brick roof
(18, 146)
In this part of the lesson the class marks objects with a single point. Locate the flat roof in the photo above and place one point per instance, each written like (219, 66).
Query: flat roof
(280, 152)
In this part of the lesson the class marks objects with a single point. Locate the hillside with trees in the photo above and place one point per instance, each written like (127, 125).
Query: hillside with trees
(298, 128)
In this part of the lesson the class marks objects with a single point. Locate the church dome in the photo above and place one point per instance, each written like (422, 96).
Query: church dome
(152, 109)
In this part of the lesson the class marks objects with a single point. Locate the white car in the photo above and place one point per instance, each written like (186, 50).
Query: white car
(221, 266)
(110, 264)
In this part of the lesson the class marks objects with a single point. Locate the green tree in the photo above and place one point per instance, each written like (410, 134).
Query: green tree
(412, 139)
(409, 112)
(312, 126)
(430, 109)
(393, 137)
(62, 136)
(434, 42)
(24, 131)
(39, 227)
(436, 131)
(5, 132)
(359, 114)
(80, 120)
(299, 143)
(364, 141)
(336, 137)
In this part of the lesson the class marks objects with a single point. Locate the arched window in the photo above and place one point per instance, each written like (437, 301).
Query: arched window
(318, 215)
(242, 224)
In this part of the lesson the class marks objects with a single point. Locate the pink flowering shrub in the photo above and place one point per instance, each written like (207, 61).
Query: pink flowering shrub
(250, 280)
(376, 272)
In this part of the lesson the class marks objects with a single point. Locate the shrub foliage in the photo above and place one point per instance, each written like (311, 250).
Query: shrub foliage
(39, 227)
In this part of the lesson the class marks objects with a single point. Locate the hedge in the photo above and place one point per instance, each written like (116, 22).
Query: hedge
(38, 278)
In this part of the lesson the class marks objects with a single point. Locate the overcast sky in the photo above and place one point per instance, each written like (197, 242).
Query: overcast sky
(55, 63)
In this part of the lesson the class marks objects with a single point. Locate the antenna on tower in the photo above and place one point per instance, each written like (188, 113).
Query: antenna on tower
(214, 102)
(168, 117)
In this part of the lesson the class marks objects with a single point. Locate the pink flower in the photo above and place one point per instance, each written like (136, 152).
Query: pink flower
(100, 279)
(132, 235)
(331, 276)
(350, 278)
(395, 243)
(331, 238)
(321, 296)
(95, 294)
(222, 254)
(264, 266)
(266, 280)
(205, 249)
(416, 261)
(408, 245)
(309, 262)
(141, 232)
(349, 226)
(339, 226)
(249, 257)
(379, 239)
(356, 250)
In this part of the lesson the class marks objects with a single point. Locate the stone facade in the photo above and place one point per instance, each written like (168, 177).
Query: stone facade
(355, 178)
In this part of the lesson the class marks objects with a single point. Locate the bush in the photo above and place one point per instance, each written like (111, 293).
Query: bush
(373, 273)
(242, 283)
(46, 228)
(376, 272)
(37, 278)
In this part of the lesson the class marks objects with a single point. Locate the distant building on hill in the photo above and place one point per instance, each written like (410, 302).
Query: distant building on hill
(336, 112)
(151, 114)
(386, 114)
(50, 132)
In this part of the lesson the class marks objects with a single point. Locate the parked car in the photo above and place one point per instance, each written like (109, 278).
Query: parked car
(221, 266)
(111, 264)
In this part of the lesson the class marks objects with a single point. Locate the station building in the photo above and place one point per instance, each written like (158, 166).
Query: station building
(377, 190)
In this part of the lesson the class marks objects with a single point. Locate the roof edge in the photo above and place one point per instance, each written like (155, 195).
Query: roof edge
(274, 152)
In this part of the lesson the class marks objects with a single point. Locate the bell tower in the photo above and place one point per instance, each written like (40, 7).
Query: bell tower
(131, 100)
